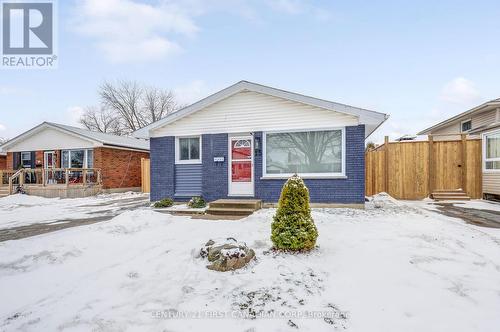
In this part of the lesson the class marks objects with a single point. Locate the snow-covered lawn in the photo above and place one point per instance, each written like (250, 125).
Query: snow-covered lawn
(399, 267)
(21, 210)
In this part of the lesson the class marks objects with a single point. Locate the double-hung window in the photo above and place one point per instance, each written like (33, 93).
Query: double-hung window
(306, 153)
(491, 149)
(188, 150)
(26, 159)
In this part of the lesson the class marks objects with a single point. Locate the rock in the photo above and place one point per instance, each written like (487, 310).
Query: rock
(227, 256)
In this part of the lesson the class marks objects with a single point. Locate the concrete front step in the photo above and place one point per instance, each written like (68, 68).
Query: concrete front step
(4, 192)
(237, 204)
(230, 211)
(234, 207)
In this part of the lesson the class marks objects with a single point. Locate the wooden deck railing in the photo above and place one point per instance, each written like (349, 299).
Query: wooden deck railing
(51, 177)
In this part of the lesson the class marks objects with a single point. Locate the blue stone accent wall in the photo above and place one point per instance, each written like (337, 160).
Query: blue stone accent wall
(344, 191)
(215, 174)
(162, 154)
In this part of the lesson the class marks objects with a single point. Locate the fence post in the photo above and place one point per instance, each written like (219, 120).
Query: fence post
(386, 168)
(431, 164)
(464, 162)
(66, 177)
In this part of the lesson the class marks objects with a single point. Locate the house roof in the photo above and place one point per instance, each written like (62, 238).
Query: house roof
(478, 109)
(104, 139)
(371, 119)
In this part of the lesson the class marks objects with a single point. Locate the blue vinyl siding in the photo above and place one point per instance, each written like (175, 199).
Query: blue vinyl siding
(188, 180)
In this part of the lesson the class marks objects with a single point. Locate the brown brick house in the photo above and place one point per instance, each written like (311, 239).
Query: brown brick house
(55, 146)
(3, 160)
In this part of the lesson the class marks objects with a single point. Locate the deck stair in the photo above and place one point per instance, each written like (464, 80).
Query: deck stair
(4, 191)
(449, 195)
(234, 207)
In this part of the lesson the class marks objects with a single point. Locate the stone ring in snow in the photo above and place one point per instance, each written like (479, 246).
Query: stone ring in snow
(227, 256)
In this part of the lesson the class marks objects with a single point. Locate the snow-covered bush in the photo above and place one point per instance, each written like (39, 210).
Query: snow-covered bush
(197, 203)
(293, 227)
(164, 203)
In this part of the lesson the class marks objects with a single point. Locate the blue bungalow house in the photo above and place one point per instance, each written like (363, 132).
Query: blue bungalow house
(246, 140)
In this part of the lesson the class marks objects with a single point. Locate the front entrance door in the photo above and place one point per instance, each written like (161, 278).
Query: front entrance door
(49, 163)
(49, 159)
(241, 174)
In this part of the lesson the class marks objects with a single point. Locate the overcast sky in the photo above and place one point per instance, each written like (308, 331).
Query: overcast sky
(419, 61)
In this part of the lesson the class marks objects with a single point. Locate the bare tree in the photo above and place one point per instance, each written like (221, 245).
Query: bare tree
(127, 106)
(157, 103)
(102, 120)
(124, 98)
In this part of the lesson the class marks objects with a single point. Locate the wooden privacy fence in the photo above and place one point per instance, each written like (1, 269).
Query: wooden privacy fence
(145, 175)
(414, 169)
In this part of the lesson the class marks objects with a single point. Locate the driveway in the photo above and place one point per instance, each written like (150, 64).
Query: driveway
(485, 217)
(23, 216)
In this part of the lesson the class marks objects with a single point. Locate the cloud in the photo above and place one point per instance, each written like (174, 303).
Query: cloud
(128, 31)
(293, 7)
(73, 115)
(191, 92)
(5, 90)
(460, 91)
(131, 31)
(2, 127)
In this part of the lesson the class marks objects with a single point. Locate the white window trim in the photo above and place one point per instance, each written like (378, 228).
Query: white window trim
(85, 157)
(178, 161)
(484, 139)
(22, 160)
(340, 175)
(462, 122)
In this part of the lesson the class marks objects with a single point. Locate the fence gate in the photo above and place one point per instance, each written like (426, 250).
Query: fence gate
(414, 169)
(145, 175)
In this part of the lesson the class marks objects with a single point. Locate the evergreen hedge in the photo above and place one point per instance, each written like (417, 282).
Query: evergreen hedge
(293, 227)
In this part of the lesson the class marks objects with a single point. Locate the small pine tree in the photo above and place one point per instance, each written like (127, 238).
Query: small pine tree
(293, 227)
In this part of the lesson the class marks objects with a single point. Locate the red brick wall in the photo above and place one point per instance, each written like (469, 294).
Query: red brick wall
(10, 161)
(119, 168)
(3, 162)
(39, 160)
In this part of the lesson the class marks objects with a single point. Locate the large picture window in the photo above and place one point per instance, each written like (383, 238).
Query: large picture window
(492, 152)
(77, 158)
(311, 153)
(188, 150)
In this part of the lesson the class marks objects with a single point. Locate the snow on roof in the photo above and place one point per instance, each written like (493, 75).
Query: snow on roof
(371, 119)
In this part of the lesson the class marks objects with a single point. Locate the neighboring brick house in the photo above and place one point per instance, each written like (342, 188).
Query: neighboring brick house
(247, 139)
(54, 146)
(3, 160)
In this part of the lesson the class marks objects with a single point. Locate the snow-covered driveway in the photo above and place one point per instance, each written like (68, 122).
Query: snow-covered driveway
(395, 268)
(23, 216)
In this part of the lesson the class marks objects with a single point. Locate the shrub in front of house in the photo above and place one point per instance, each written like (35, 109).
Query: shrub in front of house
(293, 227)
(164, 203)
(197, 203)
